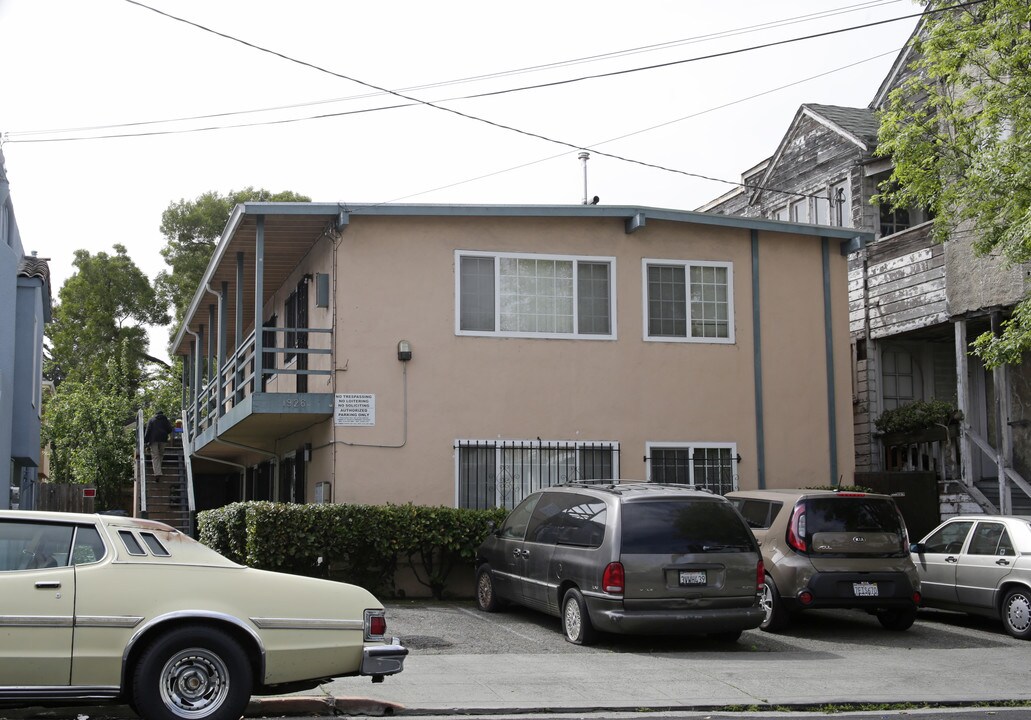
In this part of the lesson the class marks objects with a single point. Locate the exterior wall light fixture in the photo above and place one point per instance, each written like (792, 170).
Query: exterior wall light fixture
(404, 351)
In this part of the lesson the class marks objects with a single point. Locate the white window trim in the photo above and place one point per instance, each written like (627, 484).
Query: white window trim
(575, 335)
(687, 264)
(510, 443)
(691, 446)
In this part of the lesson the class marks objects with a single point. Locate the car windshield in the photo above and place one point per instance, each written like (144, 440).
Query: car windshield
(851, 514)
(675, 526)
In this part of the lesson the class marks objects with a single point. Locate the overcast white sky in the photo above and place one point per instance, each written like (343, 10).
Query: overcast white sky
(74, 64)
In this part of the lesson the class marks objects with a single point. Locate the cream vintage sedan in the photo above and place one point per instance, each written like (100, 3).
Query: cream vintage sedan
(105, 608)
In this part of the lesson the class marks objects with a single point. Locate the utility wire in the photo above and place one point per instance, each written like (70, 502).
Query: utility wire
(416, 101)
(527, 133)
(492, 123)
(487, 76)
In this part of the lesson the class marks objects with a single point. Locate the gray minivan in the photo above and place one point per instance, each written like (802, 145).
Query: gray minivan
(633, 558)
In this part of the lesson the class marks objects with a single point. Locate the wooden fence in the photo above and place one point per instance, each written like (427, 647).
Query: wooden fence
(62, 497)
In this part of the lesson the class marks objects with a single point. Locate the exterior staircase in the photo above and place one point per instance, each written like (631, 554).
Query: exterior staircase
(990, 488)
(166, 495)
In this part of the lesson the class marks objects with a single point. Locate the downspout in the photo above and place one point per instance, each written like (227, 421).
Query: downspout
(828, 332)
(195, 380)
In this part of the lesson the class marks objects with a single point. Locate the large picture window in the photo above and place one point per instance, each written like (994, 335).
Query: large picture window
(495, 473)
(688, 301)
(524, 295)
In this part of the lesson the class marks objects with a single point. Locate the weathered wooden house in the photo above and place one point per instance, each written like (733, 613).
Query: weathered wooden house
(914, 305)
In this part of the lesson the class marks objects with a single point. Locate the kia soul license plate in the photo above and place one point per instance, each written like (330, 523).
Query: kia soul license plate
(865, 589)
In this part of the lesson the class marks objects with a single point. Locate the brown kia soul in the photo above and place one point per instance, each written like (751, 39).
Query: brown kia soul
(635, 558)
(829, 549)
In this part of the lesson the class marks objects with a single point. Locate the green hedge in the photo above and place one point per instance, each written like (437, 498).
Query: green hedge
(360, 543)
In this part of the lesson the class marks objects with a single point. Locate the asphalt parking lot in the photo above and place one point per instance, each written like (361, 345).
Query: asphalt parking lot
(433, 628)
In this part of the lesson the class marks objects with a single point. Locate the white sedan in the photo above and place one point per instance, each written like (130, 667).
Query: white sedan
(97, 607)
(979, 564)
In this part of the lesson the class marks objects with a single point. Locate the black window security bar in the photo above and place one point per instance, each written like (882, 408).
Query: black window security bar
(704, 467)
(502, 473)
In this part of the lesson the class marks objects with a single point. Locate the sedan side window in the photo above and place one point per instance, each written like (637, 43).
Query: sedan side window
(990, 539)
(948, 538)
(28, 545)
(88, 547)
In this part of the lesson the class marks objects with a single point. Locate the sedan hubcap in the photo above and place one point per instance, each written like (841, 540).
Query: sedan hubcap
(485, 590)
(194, 683)
(1018, 613)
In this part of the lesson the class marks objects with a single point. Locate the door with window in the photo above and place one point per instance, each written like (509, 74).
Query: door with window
(37, 603)
(988, 559)
(939, 560)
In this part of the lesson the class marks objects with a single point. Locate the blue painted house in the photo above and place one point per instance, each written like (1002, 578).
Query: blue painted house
(25, 290)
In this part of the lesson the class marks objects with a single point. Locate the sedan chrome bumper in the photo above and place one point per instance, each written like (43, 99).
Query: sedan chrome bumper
(381, 660)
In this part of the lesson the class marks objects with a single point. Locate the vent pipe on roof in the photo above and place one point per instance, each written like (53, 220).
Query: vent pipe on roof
(584, 157)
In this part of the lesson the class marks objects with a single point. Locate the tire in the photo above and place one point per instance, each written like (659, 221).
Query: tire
(192, 673)
(576, 623)
(776, 617)
(897, 620)
(486, 598)
(1016, 613)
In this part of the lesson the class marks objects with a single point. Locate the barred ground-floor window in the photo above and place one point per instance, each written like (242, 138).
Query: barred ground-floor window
(712, 466)
(496, 473)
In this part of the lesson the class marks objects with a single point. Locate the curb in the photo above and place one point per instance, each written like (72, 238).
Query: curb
(320, 705)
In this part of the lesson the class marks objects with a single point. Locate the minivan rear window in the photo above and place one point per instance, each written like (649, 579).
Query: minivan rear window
(662, 527)
(851, 514)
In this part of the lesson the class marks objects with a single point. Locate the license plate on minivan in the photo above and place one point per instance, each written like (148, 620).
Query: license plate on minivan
(865, 589)
(692, 577)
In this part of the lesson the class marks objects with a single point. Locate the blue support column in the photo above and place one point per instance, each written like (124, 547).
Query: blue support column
(239, 369)
(828, 334)
(757, 365)
(223, 331)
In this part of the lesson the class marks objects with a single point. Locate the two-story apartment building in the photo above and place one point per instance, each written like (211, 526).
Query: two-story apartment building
(465, 355)
(25, 296)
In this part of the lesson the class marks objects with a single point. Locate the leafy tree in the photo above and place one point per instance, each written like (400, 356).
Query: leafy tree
(89, 426)
(103, 309)
(959, 131)
(192, 229)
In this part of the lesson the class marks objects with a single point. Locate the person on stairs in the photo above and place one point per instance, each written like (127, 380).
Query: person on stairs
(156, 436)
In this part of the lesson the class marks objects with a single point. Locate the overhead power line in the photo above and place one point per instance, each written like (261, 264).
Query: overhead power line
(527, 133)
(783, 22)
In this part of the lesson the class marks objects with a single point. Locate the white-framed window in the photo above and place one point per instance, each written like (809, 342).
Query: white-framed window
(323, 492)
(501, 473)
(688, 301)
(799, 210)
(712, 466)
(781, 213)
(534, 295)
(822, 210)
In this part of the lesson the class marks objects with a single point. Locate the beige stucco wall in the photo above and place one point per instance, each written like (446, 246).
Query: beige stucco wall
(394, 279)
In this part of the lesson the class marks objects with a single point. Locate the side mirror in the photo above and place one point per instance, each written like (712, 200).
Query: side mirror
(917, 548)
